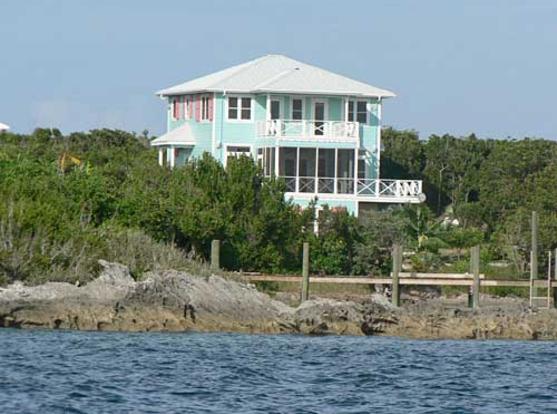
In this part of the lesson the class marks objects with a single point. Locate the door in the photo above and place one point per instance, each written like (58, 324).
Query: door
(275, 109)
(319, 117)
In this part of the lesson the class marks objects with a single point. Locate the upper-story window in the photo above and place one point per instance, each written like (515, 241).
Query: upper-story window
(239, 108)
(187, 107)
(297, 109)
(175, 107)
(361, 111)
(205, 108)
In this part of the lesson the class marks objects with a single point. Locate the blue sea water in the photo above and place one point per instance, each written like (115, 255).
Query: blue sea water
(79, 372)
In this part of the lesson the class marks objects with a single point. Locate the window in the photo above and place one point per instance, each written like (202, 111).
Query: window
(233, 151)
(239, 108)
(205, 110)
(361, 111)
(187, 107)
(275, 109)
(297, 109)
(175, 108)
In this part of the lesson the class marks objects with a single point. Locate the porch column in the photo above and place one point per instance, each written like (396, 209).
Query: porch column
(336, 171)
(276, 161)
(298, 169)
(172, 156)
(161, 156)
(316, 170)
(379, 113)
(356, 157)
(268, 108)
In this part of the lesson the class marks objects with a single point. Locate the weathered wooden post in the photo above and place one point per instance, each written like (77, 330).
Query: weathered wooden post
(397, 264)
(554, 280)
(475, 270)
(215, 255)
(305, 272)
(534, 256)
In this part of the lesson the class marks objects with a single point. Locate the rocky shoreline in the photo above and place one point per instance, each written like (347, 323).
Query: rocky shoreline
(178, 301)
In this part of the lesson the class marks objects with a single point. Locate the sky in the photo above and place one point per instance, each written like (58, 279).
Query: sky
(479, 66)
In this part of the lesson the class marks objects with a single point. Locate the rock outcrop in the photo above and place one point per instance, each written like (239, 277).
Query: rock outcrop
(177, 301)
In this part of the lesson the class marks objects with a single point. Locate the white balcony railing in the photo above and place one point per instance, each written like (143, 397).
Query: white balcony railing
(395, 190)
(323, 131)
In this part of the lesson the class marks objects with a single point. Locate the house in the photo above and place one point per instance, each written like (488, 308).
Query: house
(3, 127)
(319, 131)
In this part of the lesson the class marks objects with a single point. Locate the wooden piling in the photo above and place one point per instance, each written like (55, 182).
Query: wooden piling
(534, 253)
(397, 264)
(305, 272)
(554, 280)
(215, 255)
(475, 270)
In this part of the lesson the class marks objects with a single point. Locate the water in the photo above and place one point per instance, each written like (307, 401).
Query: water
(77, 372)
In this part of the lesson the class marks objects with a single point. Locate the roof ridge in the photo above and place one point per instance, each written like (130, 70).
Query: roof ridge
(240, 67)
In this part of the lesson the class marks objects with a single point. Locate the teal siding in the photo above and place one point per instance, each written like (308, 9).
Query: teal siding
(244, 132)
(350, 205)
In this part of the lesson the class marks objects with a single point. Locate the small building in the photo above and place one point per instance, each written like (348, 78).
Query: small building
(3, 127)
(319, 131)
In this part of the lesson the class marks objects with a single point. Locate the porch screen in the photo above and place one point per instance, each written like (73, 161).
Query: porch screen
(326, 171)
(307, 165)
(345, 171)
(287, 166)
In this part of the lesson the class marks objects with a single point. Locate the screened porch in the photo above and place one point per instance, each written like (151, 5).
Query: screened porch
(332, 171)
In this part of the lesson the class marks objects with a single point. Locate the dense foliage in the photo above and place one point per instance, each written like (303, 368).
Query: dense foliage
(66, 201)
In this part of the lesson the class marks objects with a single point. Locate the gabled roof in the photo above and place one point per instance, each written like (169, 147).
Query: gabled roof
(277, 74)
(4, 127)
(183, 135)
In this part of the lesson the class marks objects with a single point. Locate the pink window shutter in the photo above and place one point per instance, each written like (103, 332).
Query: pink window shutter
(190, 106)
(198, 108)
(210, 103)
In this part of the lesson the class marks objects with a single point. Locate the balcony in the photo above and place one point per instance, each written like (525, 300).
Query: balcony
(365, 189)
(313, 130)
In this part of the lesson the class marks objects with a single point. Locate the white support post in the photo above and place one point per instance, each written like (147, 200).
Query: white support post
(379, 114)
(276, 161)
(336, 172)
(268, 109)
(297, 169)
(356, 156)
(346, 108)
(316, 182)
(172, 156)
(161, 156)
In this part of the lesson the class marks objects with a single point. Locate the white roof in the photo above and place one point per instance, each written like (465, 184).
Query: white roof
(182, 135)
(4, 127)
(277, 74)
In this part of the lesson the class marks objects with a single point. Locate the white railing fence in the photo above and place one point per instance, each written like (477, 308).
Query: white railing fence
(363, 187)
(308, 128)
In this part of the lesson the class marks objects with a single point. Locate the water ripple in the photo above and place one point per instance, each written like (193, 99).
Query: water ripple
(78, 372)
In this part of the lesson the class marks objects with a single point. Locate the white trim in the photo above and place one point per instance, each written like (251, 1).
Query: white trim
(353, 197)
(379, 115)
(252, 108)
(172, 157)
(214, 126)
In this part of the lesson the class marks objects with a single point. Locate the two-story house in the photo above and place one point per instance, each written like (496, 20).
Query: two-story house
(319, 131)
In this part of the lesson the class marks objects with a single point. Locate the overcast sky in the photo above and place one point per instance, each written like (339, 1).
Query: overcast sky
(488, 67)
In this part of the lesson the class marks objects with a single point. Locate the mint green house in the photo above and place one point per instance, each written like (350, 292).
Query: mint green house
(319, 131)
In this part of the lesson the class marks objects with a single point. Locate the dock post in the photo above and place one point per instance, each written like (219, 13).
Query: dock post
(554, 280)
(305, 272)
(397, 263)
(534, 256)
(215, 255)
(475, 270)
